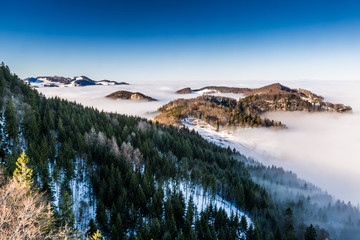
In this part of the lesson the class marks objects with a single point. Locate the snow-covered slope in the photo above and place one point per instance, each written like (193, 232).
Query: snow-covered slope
(84, 204)
(56, 81)
(203, 199)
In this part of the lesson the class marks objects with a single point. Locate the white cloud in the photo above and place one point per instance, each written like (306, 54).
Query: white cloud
(320, 147)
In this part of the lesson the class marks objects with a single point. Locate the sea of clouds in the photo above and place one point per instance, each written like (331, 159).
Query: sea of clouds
(322, 148)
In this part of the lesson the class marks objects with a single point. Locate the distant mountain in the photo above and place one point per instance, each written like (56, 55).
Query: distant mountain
(214, 89)
(56, 81)
(130, 96)
(275, 88)
(245, 112)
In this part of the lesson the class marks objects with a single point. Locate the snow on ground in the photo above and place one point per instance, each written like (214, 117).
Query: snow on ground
(84, 205)
(216, 93)
(223, 137)
(202, 199)
(321, 147)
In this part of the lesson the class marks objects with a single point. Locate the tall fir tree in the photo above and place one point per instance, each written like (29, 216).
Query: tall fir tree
(23, 174)
(310, 233)
(11, 121)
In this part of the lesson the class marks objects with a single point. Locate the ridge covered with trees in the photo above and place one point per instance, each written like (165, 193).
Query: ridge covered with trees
(244, 112)
(126, 164)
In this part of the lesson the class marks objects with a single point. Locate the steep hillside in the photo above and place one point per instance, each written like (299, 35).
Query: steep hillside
(134, 179)
(113, 172)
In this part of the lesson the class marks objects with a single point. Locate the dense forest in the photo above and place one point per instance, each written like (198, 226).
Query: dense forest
(215, 110)
(125, 165)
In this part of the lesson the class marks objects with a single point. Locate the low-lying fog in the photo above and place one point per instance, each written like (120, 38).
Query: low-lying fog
(319, 147)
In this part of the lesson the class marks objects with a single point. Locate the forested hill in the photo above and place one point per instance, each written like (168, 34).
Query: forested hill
(244, 112)
(121, 168)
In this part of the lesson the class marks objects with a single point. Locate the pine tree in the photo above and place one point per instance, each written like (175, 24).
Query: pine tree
(67, 216)
(155, 229)
(11, 121)
(97, 235)
(289, 229)
(243, 224)
(92, 228)
(101, 217)
(250, 233)
(310, 233)
(189, 218)
(22, 174)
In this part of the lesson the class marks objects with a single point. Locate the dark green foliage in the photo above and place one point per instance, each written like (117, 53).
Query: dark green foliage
(11, 121)
(131, 162)
(66, 215)
(310, 233)
(92, 228)
(243, 224)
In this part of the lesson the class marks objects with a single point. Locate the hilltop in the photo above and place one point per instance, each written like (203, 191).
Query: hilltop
(58, 81)
(245, 112)
(130, 96)
(213, 89)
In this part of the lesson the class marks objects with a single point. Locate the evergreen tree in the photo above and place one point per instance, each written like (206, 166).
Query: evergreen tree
(289, 229)
(101, 217)
(66, 214)
(189, 218)
(23, 174)
(155, 229)
(92, 228)
(243, 224)
(310, 233)
(250, 233)
(11, 121)
(96, 235)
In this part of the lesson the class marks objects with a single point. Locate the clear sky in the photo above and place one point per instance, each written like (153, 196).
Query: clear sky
(130, 40)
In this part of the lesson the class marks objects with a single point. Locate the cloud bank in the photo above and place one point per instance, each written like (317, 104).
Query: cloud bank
(319, 147)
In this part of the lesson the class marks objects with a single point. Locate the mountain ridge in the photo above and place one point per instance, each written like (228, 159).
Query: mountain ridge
(56, 81)
(246, 111)
(136, 96)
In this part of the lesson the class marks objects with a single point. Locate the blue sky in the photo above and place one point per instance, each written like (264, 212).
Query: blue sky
(183, 40)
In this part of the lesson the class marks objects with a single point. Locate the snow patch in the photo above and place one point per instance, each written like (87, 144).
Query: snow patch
(84, 203)
(202, 199)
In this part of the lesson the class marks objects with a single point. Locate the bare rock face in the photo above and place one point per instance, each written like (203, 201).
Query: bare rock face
(135, 96)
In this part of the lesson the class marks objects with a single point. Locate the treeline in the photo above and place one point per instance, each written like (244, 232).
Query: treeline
(129, 160)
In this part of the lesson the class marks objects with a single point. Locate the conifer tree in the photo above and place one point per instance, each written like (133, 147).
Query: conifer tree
(310, 233)
(67, 216)
(155, 229)
(11, 121)
(243, 224)
(92, 228)
(97, 235)
(23, 174)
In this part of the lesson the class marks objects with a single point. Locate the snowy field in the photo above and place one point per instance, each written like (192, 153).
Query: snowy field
(319, 147)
